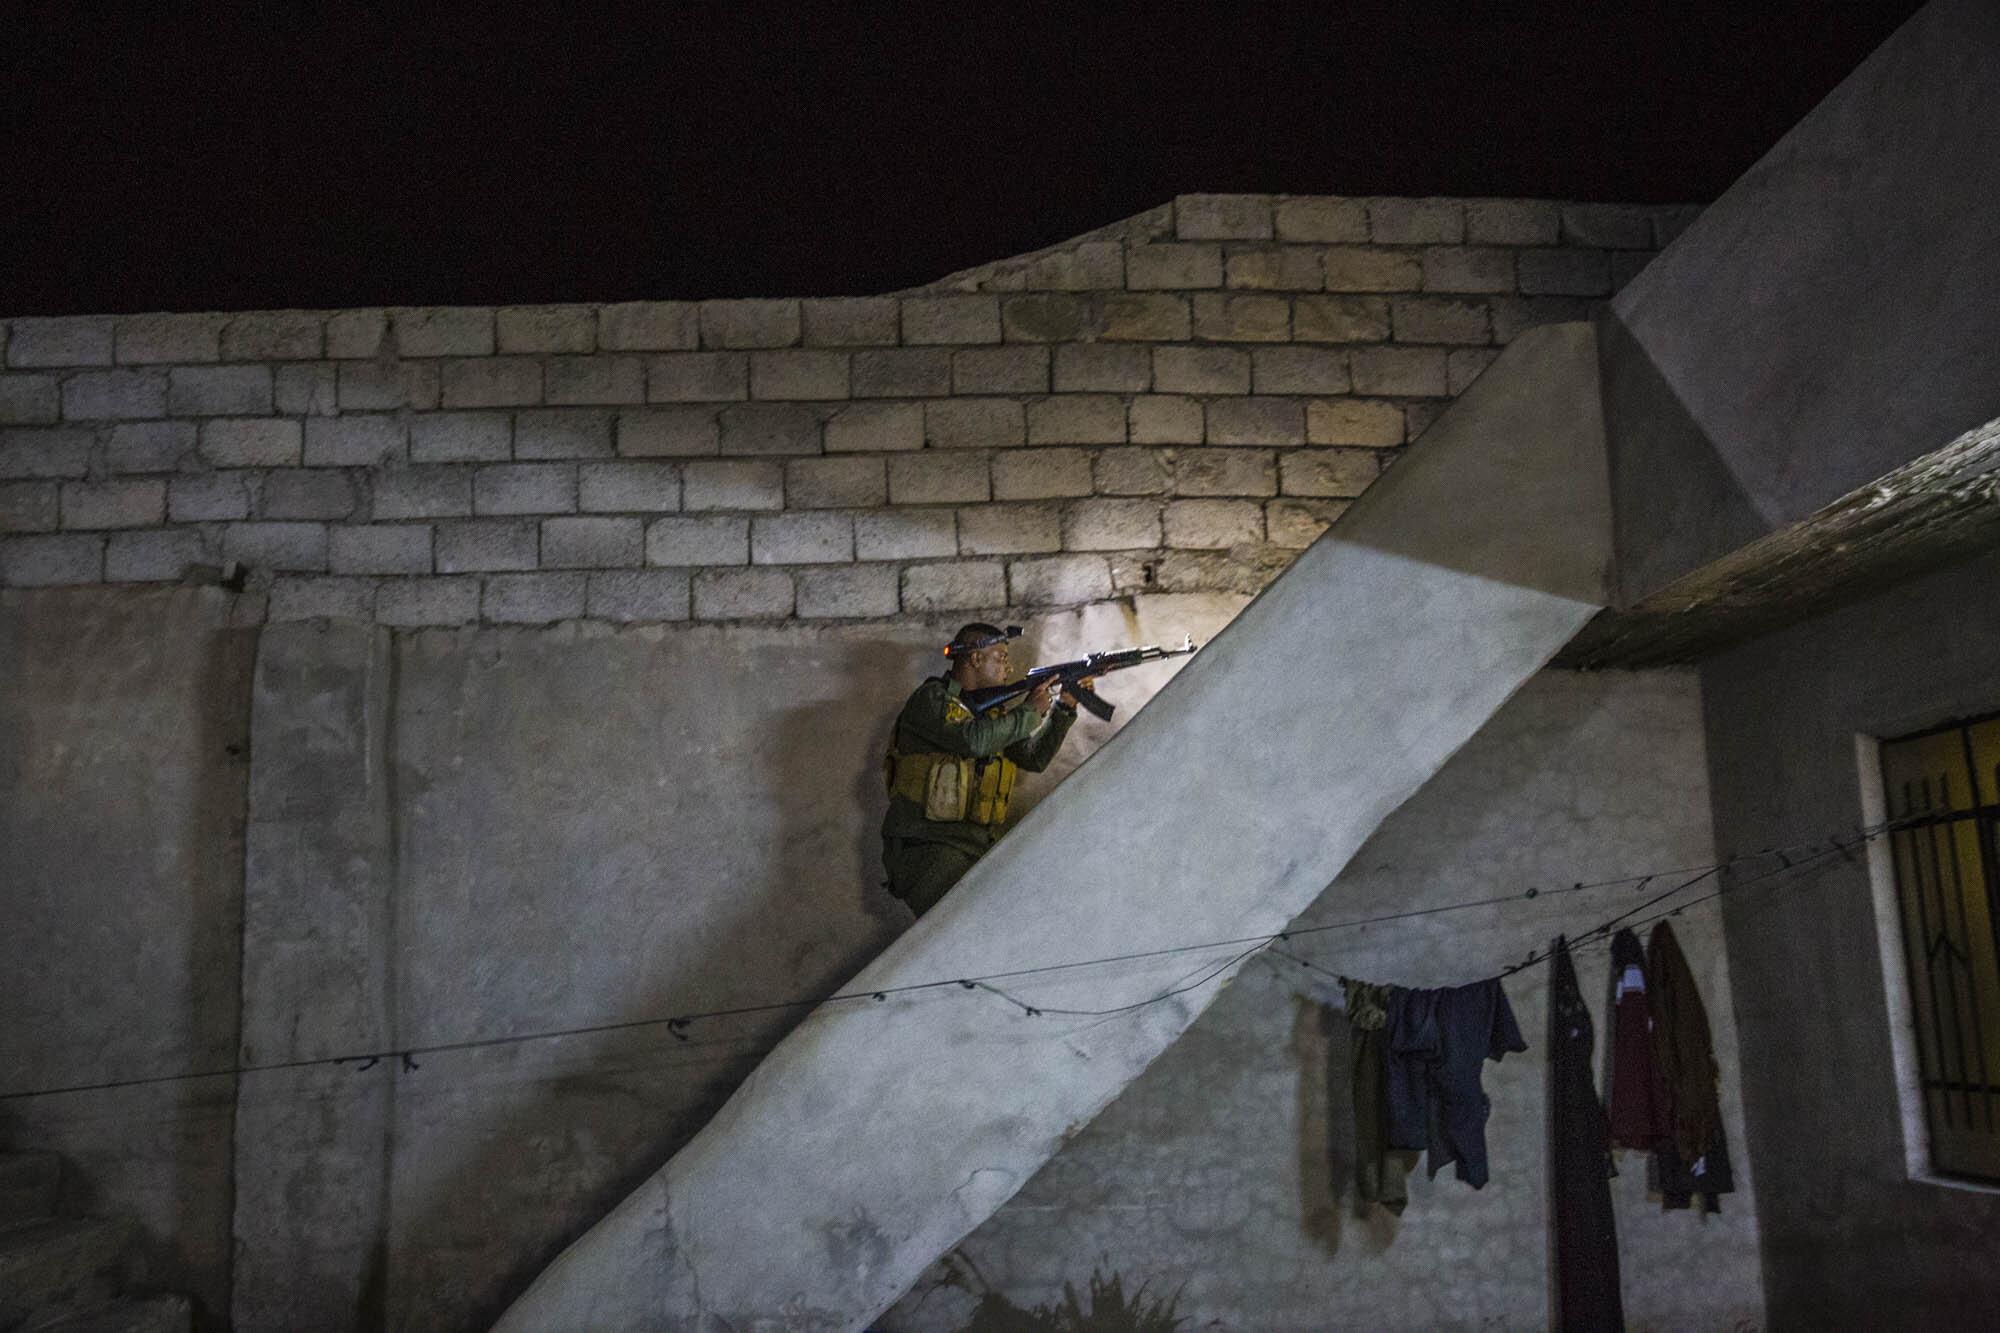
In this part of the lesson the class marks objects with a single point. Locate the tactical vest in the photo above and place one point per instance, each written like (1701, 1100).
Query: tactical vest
(952, 788)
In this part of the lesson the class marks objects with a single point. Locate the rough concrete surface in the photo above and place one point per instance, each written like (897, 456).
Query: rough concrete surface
(877, 1135)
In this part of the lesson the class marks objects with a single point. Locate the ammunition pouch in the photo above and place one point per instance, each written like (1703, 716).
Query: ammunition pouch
(952, 789)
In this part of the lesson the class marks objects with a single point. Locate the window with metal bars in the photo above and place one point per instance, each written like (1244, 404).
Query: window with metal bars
(1943, 798)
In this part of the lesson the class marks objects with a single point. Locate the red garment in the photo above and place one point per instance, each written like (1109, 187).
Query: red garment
(1642, 1114)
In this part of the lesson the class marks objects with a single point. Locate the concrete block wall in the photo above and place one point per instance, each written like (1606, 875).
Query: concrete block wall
(1177, 403)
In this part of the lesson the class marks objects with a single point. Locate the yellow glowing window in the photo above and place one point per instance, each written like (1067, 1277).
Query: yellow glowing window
(1943, 790)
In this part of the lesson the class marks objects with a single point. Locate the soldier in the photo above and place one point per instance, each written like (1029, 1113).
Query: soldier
(950, 773)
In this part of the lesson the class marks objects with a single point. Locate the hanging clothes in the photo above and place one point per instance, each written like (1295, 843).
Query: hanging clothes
(1586, 1235)
(1380, 1172)
(1438, 1041)
(1694, 1158)
(1641, 1111)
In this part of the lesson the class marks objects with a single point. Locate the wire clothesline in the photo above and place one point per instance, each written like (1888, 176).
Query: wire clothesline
(677, 1025)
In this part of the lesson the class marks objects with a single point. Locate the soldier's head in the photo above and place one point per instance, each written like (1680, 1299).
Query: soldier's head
(978, 654)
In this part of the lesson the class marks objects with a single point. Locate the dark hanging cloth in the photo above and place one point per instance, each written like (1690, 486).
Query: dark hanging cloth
(1380, 1172)
(1586, 1236)
(1641, 1112)
(1438, 1040)
(1694, 1158)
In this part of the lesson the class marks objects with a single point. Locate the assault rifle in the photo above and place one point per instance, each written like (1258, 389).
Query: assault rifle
(1070, 676)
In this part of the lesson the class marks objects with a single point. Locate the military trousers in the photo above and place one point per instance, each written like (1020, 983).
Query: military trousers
(921, 873)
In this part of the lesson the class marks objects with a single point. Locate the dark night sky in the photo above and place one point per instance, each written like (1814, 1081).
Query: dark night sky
(332, 155)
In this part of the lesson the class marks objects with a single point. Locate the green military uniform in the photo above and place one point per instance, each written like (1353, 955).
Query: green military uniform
(925, 856)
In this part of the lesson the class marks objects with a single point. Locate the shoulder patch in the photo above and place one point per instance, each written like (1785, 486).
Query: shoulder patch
(954, 711)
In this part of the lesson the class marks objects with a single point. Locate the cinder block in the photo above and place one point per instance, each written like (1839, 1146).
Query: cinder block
(1103, 368)
(380, 548)
(758, 323)
(1077, 419)
(209, 497)
(65, 340)
(512, 381)
(1322, 218)
(150, 446)
(524, 488)
(1214, 524)
(1511, 221)
(850, 321)
(562, 432)
(409, 603)
(531, 599)
(384, 386)
(1088, 266)
(1356, 268)
(698, 377)
(1361, 421)
(1159, 419)
(1144, 317)
(668, 432)
(1057, 580)
(1344, 473)
(1297, 524)
(1670, 221)
(306, 390)
(1607, 226)
(769, 428)
(546, 328)
(1173, 266)
(1201, 370)
(1009, 529)
(44, 452)
(1340, 319)
(974, 423)
(798, 373)
(487, 544)
(1133, 471)
(219, 391)
(310, 493)
(1111, 525)
(443, 331)
(835, 483)
(421, 492)
(1417, 418)
(628, 488)
(1399, 371)
(281, 546)
(113, 504)
(1439, 319)
(742, 594)
(732, 484)
(581, 380)
(1304, 369)
(593, 543)
(307, 598)
(1627, 265)
(849, 592)
(462, 437)
(1278, 268)
(1416, 221)
(875, 428)
(951, 319)
(1468, 268)
(38, 562)
(1223, 217)
(251, 442)
(355, 441)
(954, 585)
(1512, 315)
(274, 335)
(1463, 365)
(352, 334)
(29, 400)
(1235, 571)
(1242, 317)
(1049, 318)
(801, 539)
(905, 534)
(1563, 272)
(902, 372)
(1207, 472)
(1040, 474)
(648, 326)
(637, 594)
(156, 338)
(1019, 369)
(1255, 421)
(28, 506)
(937, 478)
(114, 395)
(718, 539)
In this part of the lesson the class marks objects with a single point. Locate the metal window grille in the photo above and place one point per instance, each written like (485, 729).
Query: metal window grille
(1943, 790)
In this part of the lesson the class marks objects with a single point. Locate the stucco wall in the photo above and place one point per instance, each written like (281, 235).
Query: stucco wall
(1850, 1238)
(1212, 1174)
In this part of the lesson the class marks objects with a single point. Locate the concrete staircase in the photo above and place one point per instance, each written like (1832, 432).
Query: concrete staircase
(63, 1274)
